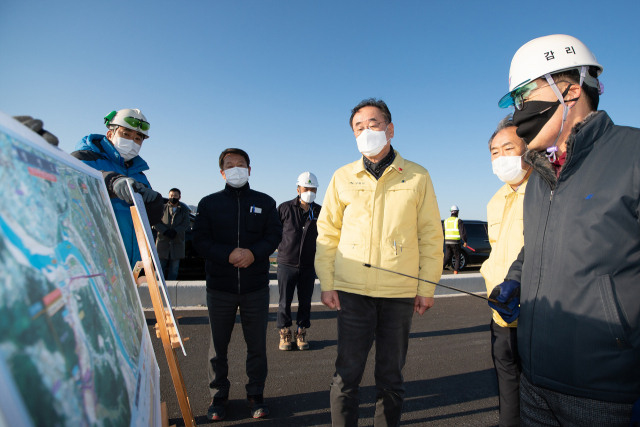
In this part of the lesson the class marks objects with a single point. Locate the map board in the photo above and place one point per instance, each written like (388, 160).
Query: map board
(74, 344)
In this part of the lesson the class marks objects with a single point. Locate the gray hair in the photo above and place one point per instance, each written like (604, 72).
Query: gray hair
(505, 123)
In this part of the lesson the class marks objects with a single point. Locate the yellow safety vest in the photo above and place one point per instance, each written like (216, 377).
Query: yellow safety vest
(451, 230)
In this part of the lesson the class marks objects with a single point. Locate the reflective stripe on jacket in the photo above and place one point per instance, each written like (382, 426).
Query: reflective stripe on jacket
(451, 230)
(393, 223)
(504, 217)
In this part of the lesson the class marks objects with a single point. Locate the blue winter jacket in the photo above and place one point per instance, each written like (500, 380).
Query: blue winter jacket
(97, 152)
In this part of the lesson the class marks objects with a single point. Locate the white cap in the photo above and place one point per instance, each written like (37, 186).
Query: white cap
(549, 55)
(117, 119)
(307, 179)
(454, 208)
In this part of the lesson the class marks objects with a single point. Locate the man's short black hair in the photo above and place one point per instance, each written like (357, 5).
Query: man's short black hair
(371, 102)
(176, 190)
(233, 151)
(573, 76)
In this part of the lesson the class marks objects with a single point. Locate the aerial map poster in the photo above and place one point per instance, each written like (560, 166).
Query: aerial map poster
(74, 345)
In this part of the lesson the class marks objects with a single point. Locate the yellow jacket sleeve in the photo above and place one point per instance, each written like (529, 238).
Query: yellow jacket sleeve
(430, 240)
(329, 231)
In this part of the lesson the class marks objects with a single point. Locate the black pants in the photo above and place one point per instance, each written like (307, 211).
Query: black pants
(360, 320)
(540, 407)
(451, 251)
(254, 316)
(506, 361)
(288, 279)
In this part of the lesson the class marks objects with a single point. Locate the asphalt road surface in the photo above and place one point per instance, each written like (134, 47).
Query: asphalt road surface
(449, 376)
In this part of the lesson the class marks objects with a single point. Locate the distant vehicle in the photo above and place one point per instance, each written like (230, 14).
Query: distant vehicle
(478, 239)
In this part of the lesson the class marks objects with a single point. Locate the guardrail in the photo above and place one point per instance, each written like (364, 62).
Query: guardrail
(194, 293)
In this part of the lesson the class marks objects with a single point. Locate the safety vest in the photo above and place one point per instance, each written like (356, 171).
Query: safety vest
(451, 230)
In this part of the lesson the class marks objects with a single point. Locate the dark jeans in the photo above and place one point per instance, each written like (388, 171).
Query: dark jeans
(452, 253)
(254, 314)
(506, 361)
(170, 268)
(360, 320)
(540, 407)
(288, 279)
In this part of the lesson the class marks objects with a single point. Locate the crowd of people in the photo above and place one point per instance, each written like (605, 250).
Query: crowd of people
(562, 278)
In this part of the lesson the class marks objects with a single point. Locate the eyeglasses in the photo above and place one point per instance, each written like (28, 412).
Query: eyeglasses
(372, 124)
(137, 123)
(520, 96)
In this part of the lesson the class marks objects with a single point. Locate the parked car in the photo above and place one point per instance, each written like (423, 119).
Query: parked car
(478, 239)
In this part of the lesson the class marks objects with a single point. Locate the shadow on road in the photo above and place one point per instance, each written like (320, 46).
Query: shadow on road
(420, 396)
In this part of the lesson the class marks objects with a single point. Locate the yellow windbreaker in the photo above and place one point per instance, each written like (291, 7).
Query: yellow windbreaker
(393, 223)
(506, 236)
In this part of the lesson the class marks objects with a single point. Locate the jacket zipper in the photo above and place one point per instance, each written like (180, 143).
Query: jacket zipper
(304, 234)
(238, 239)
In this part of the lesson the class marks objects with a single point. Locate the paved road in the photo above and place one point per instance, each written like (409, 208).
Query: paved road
(449, 375)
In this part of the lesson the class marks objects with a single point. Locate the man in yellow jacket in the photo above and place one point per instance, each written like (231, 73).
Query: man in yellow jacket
(380, 210)
(504, 216)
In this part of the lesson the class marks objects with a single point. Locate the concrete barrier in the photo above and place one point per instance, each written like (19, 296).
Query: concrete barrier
(193, 293)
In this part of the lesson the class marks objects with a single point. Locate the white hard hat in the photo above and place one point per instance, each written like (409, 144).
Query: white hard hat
(548, 55)
(454, 208)
(129, 118)
(307, 179)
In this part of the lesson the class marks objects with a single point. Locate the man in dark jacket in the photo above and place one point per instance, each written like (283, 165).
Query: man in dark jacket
(171, 230)
(296, 255)
(236, 230)
(116, 156)
(579, 269)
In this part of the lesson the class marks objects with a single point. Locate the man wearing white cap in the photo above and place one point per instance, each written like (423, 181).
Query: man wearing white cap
(454, 233)
(296, 255)
(116, 156)
(577, 276)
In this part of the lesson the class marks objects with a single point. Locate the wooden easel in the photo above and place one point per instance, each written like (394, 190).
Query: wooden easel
(165, 329)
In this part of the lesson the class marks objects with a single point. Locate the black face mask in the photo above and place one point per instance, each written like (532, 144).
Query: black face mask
(173, 200)
(531, 119)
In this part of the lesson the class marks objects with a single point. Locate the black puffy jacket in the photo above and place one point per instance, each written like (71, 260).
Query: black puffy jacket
(579, 324)
(299, 233)
(236, 218)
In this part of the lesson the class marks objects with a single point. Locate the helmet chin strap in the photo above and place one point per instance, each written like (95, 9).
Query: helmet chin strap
(551, 151)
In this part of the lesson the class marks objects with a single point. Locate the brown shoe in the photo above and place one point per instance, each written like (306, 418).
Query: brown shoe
(301, 339)
(285, 339)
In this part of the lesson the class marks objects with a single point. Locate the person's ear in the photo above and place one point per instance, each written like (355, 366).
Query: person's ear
(223, 175)
(249, 168)
(574, 93)
(110, 134)
(390, 131)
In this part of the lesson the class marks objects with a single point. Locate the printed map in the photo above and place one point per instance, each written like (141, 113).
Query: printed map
(72, 332)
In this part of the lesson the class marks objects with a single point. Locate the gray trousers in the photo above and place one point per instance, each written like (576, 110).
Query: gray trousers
(360, 320)
(254, 316)
(540, 407)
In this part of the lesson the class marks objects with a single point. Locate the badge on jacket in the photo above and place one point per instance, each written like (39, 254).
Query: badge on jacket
(254, 209)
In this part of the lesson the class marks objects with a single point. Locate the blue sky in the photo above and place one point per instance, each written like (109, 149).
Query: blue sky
(279, 78)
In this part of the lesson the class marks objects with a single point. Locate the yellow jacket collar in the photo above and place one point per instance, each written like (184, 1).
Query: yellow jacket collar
(397, 164)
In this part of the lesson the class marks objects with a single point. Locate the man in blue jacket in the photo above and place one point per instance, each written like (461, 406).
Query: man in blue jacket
(579, 269)
(236, 230)
(116, 156)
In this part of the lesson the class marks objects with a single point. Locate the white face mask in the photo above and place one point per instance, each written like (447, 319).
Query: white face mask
(509, 169)
(371, 142)
(308, 196)
(127, 148)
(236, 177)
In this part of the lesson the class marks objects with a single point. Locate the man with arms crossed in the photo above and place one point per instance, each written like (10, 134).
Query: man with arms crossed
(579, 324)
(504, 216)
(382, 210)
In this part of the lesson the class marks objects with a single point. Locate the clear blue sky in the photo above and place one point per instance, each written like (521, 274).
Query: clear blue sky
(279, 78)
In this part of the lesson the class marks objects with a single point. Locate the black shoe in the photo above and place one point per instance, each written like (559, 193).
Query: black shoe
(256, 404)
(218, 409)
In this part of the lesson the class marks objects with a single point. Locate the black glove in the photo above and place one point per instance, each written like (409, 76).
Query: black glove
(170, 233)
(505, 299)
(36, 126)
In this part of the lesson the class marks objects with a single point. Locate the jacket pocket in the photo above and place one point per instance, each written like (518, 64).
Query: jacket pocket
(254, 223)
(349, 259)
(611, 312)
